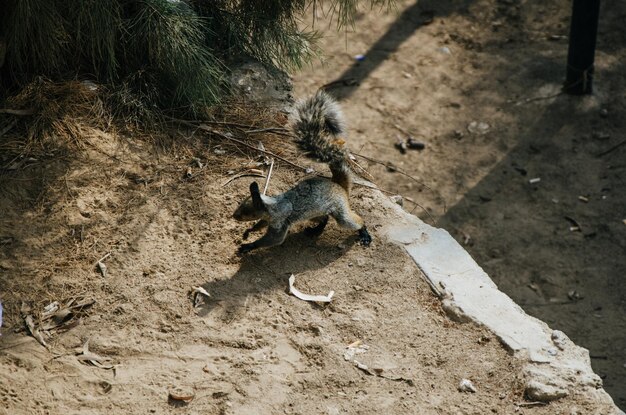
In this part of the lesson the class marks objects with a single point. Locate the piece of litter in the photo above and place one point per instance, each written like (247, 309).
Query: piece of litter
(400, 145)
(359, 58)
(583, 199)
(534, 180)
(308, 297)
(182, 394)
(413, 144)
(50, 309)
(219, 151)
(445, 50)
(96, 360)
(466, 385)
(102, 268)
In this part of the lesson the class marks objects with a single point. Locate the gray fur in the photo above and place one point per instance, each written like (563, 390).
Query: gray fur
(318, 124)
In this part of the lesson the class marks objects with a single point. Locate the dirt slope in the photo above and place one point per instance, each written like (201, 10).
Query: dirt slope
(434, 67)
(251, 348)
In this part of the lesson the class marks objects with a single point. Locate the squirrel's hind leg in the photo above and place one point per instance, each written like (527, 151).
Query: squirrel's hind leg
(348, 219)
(319, 228)
(273, 236)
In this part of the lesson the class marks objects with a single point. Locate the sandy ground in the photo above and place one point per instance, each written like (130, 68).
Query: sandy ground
(252, 347)
(501, 63)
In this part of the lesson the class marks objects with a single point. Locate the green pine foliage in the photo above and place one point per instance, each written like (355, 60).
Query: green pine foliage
(169, 54)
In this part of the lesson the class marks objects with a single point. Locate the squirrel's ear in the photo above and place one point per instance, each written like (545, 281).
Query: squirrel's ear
(254, 188)
(256, 196)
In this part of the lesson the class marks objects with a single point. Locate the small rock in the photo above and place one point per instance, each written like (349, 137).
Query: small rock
(478, 127)
(538, 391)
(397, 199)
(573, 295)
(604, 113)
(458, 134)
(466, 385)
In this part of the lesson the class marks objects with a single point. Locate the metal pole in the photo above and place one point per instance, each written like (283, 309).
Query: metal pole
(582, 47)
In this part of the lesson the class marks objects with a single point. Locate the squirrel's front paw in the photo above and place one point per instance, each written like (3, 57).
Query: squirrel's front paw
(245, 248)
(364, 237)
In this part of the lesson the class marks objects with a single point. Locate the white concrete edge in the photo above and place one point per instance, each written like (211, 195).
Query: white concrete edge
(553, 365)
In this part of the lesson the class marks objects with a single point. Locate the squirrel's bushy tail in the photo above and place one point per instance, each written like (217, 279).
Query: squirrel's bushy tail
(318, 125)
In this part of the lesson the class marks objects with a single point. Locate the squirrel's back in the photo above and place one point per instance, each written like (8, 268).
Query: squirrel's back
(318, 125)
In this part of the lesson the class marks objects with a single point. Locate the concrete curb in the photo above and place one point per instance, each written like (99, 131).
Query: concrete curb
(554, 366)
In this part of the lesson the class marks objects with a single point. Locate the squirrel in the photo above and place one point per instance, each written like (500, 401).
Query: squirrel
(318, 125)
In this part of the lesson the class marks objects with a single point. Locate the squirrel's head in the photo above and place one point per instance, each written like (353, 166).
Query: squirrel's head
(253, 208)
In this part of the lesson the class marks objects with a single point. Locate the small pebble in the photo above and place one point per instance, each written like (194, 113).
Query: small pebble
(478, 127)
(397, 199)
(466, 385)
